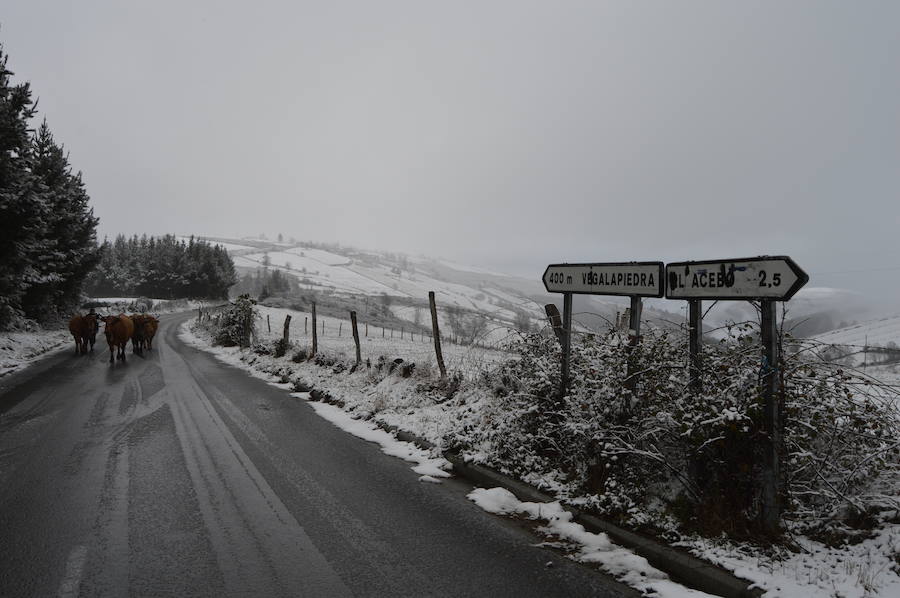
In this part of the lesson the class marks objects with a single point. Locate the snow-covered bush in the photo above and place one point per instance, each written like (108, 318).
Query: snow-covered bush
(235, 324)
(659, 453)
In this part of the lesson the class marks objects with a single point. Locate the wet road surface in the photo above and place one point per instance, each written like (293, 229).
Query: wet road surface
(176, 475)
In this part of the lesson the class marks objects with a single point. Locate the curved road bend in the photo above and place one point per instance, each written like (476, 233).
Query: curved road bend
(174, 474)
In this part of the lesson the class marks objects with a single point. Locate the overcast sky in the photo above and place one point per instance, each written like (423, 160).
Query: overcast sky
(503, 134)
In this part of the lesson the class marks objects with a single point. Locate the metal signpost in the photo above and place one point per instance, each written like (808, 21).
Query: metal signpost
(629, 279)
(766, 279)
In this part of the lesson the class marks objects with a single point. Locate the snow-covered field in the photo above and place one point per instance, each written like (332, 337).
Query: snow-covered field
(369, 273)
(337, 339)
(873, 333)
(870, 568)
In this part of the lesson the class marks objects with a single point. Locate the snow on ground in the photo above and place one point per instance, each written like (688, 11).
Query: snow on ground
(874, 333)
(429, 466)
(20, 349)
(159, 305)
(468, 287)
(868, 569)
(619, 562)
(857, 571)
(321, 256)
(231, 247)
(308, 269)
(415, 347)
(473, 269)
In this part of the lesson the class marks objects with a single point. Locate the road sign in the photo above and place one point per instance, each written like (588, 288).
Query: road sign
(635, 279)
(775, 278)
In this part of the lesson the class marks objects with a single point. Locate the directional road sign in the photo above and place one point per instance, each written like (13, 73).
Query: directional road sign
(776, 278)
(635, 279)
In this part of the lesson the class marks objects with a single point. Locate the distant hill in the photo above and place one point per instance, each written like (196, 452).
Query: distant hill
(404, 281)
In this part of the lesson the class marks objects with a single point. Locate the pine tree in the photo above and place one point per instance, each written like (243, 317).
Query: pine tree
(69, 249)
(21, 215)
(47, 229)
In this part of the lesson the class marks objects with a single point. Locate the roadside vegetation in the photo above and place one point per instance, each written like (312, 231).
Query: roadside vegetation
(658, 458)
(672, 462)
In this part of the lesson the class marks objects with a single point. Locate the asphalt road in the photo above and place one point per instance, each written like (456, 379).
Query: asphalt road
(175, 475)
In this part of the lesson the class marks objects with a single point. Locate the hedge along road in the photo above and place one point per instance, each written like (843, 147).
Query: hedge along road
(176, 474)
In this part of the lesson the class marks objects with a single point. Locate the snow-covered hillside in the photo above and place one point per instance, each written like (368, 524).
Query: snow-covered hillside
(873, 344)
(883, 332)
(503, 300)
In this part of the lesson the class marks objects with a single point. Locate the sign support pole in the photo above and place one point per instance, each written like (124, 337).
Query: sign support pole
(566, 344)
(315, 338)
(695, 326)
(771, 420)
(634, 326)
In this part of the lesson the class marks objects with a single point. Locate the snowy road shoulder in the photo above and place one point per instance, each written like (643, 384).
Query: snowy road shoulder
(585, 546)
(429, 468)
(20, 349)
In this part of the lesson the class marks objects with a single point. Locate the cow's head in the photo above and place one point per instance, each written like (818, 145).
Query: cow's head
(108, 321)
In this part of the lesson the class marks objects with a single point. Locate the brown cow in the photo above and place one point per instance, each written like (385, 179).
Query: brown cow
(118, 330)
(137, 337)
(84, 331)
(150, 326)
(144, 329)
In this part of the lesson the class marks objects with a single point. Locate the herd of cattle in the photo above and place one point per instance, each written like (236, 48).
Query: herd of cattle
(137, 328)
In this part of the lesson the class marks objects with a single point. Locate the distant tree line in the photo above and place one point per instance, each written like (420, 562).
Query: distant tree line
(47, 229)
(265, 282)
(161, 267)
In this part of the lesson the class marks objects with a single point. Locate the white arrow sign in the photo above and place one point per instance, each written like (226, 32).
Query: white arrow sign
(635, 279)
(768, 277)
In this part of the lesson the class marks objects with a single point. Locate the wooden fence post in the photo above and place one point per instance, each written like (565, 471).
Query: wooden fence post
(340, 327)
(269, 323)
(315, 345)
(355, 337)
(437, 334)
(286, 337)
(305, 325)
